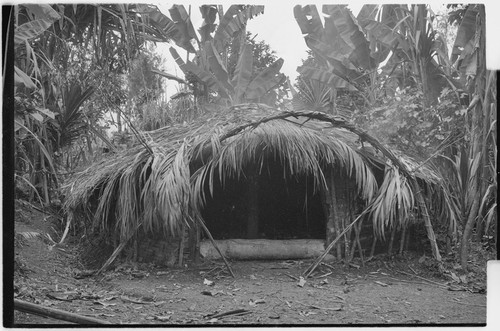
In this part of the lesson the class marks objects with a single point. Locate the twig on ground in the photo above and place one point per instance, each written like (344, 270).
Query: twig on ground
(470, 304)
(236, 312)
(327, 265)
(316, 307)
(292, 277)
(413, 270)
(427, 280)
(324, 275)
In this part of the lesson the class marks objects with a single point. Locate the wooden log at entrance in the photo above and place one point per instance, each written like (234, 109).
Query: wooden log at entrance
(264, 249)
(32, 308)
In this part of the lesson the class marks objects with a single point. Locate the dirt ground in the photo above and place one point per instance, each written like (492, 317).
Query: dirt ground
(408, 290)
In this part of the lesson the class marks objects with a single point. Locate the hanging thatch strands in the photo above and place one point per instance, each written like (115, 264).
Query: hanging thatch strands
(161, 185)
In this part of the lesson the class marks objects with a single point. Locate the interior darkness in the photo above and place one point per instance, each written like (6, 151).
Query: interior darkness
(288, 206)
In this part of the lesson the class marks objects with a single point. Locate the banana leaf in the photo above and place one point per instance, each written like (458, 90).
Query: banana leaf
(217, 66)
(243, 71)
(209, 14)
(265, 80)
(465, 33)
(308, 26)
(352, 34)
(185, 30)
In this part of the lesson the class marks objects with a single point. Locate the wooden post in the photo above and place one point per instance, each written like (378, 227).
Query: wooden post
(402, 243)
(253, 204)
(374, 244)
(333, 223)
(391, 241)
(182, 242)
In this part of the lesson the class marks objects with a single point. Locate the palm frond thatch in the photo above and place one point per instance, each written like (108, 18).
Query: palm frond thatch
(165, 188)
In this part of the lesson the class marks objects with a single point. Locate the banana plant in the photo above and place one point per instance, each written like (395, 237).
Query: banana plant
(209, 67)
(382, 42)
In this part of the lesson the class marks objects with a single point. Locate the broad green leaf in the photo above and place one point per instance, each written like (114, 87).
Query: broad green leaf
(306, 25)
(46, 112)
(465, 32)
(209, 14)
(42, 11)
(37, 116)
(42, 147)
(243, 71)
(352, 34)
(161, 24)
(180, 62)
(20, 77)
(235, 20)
(185, 31)
(217, 66)
(324, 76)
(31, 30)
(265, 80)
(221, 33)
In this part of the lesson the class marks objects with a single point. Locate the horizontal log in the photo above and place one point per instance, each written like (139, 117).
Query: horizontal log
(263, 249)
(32, 308)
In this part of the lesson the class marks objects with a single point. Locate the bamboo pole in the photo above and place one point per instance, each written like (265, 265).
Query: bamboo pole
(32, 308)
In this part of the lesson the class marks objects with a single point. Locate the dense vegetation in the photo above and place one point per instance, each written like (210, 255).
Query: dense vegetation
(80, 69)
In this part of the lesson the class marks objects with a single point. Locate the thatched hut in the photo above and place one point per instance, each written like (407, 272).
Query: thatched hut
(248, 172)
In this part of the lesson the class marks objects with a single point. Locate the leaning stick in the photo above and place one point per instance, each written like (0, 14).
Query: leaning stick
(68, 224)
(310, 270)
(215, 245)
(117, 251)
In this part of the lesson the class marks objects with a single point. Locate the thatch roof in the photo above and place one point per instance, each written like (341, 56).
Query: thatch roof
(162, 185)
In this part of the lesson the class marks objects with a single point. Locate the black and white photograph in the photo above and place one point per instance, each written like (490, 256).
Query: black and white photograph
(272, 164)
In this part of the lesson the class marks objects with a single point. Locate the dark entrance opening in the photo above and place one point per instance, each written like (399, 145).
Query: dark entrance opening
(288, 206)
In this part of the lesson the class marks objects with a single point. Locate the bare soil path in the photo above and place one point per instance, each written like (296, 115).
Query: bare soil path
(403, 290)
